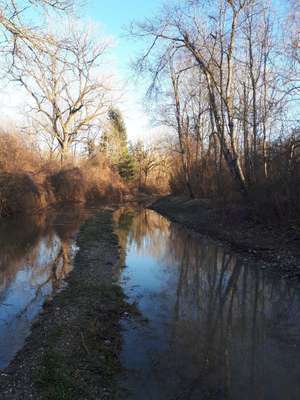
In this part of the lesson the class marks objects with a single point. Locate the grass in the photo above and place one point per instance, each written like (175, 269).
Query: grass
(54, 379)
(74, 348)
(82, 347)
(95, 340)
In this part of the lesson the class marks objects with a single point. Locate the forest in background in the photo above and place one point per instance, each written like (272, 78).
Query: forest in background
(224, 75)
(223, 86)
(74, 144)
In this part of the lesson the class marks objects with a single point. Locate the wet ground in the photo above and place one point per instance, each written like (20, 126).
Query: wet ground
(35, 257)
(73, 348)
(211, 326)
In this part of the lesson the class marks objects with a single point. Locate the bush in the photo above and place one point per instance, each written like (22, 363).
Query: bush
(18, 194)
(270, 202)
(68, 185)
(16, 155)
(29, 182)
(102, 182)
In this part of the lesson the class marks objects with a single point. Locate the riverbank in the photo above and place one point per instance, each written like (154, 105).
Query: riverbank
(277, 247)
(73, 350)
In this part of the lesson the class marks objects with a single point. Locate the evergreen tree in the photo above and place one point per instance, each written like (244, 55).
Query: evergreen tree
(114, 143)
(127, 167)
(118, 126)
(114, 139)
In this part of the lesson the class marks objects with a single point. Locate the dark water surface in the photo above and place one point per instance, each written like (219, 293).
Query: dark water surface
(35, 256)
(211, 326)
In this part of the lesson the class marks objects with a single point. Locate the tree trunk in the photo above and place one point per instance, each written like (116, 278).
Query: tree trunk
(64, 152)
(180, 135)
(230, 155)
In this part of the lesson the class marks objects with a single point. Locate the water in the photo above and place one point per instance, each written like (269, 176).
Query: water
(35, 256)
(211, 326)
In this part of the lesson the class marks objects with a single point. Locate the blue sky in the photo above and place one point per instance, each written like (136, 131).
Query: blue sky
(114, 16)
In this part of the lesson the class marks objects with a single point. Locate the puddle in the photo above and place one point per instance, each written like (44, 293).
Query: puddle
(217, 328)
(35, 257)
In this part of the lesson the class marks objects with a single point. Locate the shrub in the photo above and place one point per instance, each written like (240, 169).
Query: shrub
(17, 155)
(271, 203)
(18, 194)
(102, 181)
(68, 185)
(28, 181)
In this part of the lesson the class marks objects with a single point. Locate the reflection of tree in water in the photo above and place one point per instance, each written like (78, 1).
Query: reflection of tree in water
(137, 225)
(18, 237)
(225, 315)
(34, 259)
(123, 218)
(21, 240)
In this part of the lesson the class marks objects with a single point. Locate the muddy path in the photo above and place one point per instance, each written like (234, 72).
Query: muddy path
(148, 309)
(73, 349)
(276, 247)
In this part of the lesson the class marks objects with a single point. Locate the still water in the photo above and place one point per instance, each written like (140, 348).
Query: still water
(35, 256)
(211, 326)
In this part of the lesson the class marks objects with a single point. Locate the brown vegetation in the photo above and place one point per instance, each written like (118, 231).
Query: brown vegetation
(225, 80)
(28, 183)
(68, 185)
(272, 199)
(18, 193)
(102, 181)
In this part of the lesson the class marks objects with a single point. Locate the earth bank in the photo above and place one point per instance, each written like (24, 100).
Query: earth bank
(278, 247)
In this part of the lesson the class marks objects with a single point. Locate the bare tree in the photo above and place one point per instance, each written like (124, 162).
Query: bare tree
(210, 46)
(15, 28)
(291, 48)
(146, 158)
(69, 90)
(228, 83)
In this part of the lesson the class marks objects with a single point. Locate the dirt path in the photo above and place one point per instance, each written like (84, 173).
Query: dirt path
(73, 350)
(278, 248)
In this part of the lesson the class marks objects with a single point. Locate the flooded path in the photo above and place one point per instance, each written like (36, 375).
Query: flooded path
(211, 327)
(35, 257)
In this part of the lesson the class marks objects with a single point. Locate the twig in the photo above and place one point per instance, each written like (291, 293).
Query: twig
(84, 344)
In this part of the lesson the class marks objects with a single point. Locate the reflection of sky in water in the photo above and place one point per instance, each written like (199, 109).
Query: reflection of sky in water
(24, 295)
(217, 329)
(36, 253)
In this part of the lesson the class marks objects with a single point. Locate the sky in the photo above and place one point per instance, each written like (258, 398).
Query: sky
(111, 17)
(114, 16)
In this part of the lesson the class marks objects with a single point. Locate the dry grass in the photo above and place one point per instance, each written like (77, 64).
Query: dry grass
(28, 182)
(68, 185)
(102, 181)
(18, 194)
